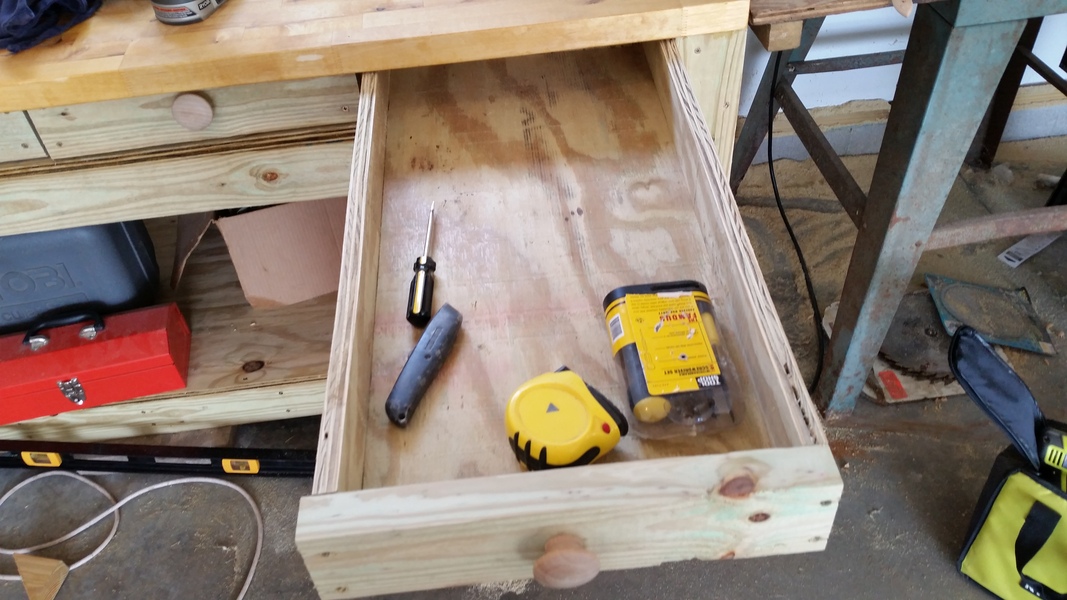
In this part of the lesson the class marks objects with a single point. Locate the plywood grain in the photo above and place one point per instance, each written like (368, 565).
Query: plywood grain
(17, 141)
(556, 181)
(100, 127)
(124, 52)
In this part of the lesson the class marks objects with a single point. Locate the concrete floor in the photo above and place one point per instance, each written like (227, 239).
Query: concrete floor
(912, 472)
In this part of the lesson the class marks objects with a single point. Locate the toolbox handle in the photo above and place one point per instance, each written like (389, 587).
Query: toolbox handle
(70, 319)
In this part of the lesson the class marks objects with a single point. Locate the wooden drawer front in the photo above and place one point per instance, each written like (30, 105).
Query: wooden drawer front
(557, 178)
(116, 125)
(119, 190)
(17, 141)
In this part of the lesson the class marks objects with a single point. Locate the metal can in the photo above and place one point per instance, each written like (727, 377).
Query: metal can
(183, 12)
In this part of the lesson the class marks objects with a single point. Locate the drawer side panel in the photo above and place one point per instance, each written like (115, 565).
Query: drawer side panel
(343, 432)
(782, 387)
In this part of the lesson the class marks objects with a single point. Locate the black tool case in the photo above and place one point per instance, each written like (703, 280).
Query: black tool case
(98, 268)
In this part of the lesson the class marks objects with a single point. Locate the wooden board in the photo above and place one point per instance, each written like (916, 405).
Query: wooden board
(171, 414)
(41, 577)
(781, 11)
(557, 178)
(342, 436)
(633, 514)
(779, 36)
(100, 127)
(765, 354)
(158, 188)
(228, 338)
(715, 64)
(17, 141)
(122, 51)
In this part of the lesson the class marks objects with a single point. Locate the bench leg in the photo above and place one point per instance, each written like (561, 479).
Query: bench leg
(984, 148)
(756, 123)
(946, 82)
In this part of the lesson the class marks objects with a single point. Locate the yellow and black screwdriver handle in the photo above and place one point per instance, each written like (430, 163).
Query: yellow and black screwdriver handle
(557, 420)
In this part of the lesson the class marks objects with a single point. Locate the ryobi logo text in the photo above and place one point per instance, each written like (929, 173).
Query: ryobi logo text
(33, 280)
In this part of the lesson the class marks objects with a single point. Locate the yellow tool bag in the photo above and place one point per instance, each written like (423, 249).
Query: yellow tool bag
(1017, 545)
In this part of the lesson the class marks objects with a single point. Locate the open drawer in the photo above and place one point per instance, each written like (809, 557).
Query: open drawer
(557, 178)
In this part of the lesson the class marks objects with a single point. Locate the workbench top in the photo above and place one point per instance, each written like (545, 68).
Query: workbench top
(765, 12)
(123, 51)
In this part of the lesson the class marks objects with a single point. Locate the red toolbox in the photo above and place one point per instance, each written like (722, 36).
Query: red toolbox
(87, 360)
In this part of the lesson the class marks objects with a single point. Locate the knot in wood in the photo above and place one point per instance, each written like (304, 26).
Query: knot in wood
(740, 486)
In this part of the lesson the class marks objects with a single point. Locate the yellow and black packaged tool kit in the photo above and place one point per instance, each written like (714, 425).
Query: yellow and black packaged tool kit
(665, 339)
(1017, 542)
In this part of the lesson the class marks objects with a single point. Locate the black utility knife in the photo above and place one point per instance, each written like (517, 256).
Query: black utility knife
(423, 364)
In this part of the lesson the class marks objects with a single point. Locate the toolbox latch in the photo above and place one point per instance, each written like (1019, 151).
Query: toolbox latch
(73, 390)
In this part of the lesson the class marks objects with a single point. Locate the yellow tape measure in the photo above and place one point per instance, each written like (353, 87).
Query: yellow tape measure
(557, 420)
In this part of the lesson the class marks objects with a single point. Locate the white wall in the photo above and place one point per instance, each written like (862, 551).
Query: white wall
(865, 32)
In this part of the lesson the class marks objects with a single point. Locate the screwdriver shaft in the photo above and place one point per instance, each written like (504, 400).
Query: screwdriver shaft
(429, 231)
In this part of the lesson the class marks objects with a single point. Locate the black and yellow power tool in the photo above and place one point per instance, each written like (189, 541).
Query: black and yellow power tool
(557, 420)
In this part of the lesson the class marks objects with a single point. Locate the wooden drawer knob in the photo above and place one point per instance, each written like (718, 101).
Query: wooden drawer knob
(192, 111)
(566, 563)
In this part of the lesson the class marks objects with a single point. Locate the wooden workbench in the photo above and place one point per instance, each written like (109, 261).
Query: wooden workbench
(123, 51)
(122, 54)
(559, 176)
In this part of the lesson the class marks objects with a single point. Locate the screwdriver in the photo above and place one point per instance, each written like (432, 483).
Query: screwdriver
(420, 296)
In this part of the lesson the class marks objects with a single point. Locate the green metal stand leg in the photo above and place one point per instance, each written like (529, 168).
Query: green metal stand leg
(756, 123)
(984, 148)
(946, 82)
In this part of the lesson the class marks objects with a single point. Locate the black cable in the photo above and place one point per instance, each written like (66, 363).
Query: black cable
(816, 315)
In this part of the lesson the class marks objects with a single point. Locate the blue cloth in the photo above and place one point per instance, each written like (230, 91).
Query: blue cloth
(26, 23)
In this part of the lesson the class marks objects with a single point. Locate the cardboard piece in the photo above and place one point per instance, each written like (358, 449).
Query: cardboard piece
(283, 254)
